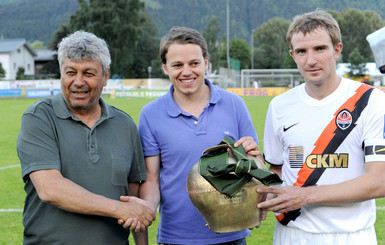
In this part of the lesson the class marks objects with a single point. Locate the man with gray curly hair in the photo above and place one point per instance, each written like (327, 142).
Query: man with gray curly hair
(82, 46)
(79, 155)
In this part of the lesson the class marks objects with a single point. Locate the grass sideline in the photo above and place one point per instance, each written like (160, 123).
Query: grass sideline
(12, 192)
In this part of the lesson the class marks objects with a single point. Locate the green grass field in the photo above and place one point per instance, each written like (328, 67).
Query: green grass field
(11, 187)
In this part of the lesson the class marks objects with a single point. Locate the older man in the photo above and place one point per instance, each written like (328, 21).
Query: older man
(80, 155)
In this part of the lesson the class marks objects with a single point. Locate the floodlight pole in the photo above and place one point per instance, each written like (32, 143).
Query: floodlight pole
(252, 49)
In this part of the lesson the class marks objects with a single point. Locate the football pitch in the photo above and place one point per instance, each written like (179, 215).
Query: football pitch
(12, 187)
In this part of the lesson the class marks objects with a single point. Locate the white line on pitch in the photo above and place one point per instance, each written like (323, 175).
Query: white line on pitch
(11, 210)
(10, 166)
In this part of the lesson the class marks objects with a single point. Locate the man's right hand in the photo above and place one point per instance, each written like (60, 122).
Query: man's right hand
(141, 214)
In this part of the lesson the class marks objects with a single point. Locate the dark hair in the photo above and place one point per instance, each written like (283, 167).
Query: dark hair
(181, 35)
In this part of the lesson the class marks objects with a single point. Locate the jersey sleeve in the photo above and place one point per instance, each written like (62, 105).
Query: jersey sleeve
(374, 128)
(272, 147)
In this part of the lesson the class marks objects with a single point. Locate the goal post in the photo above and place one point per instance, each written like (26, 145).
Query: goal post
(257, 78)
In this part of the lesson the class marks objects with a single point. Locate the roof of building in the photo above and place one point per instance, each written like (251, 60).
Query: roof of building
(45, 55)
(10, 45)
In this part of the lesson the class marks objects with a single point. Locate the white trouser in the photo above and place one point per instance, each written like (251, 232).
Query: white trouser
(284, 235)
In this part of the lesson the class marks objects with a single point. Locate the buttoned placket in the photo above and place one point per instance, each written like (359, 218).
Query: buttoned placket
(92, 142)
(201, 122)
(92, 146)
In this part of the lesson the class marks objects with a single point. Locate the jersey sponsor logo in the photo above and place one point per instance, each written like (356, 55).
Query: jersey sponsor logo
(327, 161)
(285, 129)
(344, 119)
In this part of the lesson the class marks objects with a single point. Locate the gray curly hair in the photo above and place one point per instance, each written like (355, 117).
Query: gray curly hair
(83, 45)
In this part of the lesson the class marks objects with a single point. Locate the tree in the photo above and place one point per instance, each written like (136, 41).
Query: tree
(146, 51)
(356, 63)
(59, 34)
(240, 50)
(20, 73)
(52, 67)
(2, 71)
(355, 25)
(271, 48)
(38, 45)
(211, 34)
(118, 22)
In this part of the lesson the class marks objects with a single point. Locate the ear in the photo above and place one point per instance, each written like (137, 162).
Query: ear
(291, 53)
(164, 67)
(206, 63)
(337, 50)
(105, 77)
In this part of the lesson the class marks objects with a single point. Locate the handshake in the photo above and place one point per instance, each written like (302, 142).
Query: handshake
(138, 215)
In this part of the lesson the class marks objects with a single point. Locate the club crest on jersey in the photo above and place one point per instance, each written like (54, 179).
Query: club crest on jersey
(344, 119)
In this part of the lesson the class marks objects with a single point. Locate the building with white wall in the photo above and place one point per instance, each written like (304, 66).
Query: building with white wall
(15, 54)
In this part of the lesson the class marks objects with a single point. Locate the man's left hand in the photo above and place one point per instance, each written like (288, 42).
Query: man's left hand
(250, 146)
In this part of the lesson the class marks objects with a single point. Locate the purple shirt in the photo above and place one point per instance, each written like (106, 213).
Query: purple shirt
(180, 138)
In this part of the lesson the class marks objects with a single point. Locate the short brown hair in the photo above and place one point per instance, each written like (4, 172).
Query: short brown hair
(182, 35)
(309, 22)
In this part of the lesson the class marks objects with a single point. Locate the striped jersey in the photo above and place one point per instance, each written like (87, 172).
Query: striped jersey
(326, 142)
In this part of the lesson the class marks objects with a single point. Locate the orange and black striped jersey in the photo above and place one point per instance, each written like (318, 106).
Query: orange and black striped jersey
(325, 142)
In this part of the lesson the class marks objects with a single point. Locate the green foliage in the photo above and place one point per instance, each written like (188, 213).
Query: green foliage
(7, 1)
(34, 19)
(127, 30)
(356, 63)
(240, 50)
(128, 27)
(146, 52)
(271, 49)
(38, 45)
(355, 25)
(2, 71)
(245, 15)
(58, 35)
(52, 67)
(38, 19)
(210, 34)
(20, 73)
